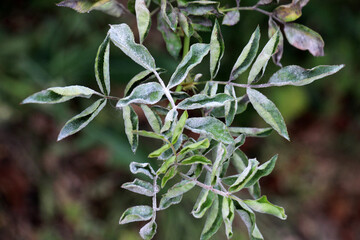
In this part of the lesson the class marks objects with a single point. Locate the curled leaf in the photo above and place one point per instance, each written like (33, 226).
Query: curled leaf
(136, 214)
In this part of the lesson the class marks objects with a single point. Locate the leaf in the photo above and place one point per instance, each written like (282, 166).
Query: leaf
(200, 8)
(170, 120)
(143, 168)
(204, 101)
(259, 66)
(247, 55)
(151, 118)
(186, 26)
(159, 151)
(228, 214)
(244, 177)
(251, 132)
(265, 2)
(203, 203)
(150, 135)
(255, 190)
(200, 24)
(195, 146)
(148, 231)
(131, 124)
(167, 202)
(122, 36)
(143, 19)
(213, 220)
(210, 126)
(217, 49)
(136, 214)
(304, 38)
(168, 153)
(81, 120)
(210, 88)
(263, 170)
(264, 206)
(143, 76)
(140, 186)
(102, 70)
(195, 55)
(218, 164)
(163, 169)
(196, 159)
(268, 111)
(230, 107)
(169, 14)
(289, 12)
(179, 189)
(273, 27)
(59, 94)
(231, 18)
(168, 175)
(172, 40)
(147, 93)
(179, 127)
(298, 76)
(111, 7)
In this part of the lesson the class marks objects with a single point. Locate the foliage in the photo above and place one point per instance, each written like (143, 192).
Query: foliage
(189, 142)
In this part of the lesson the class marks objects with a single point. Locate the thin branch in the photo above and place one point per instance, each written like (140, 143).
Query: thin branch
(166, 91)
(154, 203)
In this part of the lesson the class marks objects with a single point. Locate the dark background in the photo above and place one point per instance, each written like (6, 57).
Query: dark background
(71, 189)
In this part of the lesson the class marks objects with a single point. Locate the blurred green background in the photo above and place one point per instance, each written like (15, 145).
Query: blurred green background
(71, 189)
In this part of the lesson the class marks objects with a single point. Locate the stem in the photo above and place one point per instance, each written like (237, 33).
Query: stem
(107, 97)
(207, 168)
(186, 46)
(154, 198)
(166, 91)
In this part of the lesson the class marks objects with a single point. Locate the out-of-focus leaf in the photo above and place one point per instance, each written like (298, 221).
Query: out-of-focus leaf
(131, 123)
(263, 170)
(148, 231)
(167, 202)
(259, 66)
(172, 40)
(289, 12)
(143, 19)
(122, 36)
(304, 38)
(179, 189)
(196, 159)
(111, 7)
(200, 24)
(268, 111)
(179, 127)
(102, 70)
(251, 132)
(264, 206)
(247, 55)
(228, 214)
(200, 8)
(148, 93)
(81, 120)
(204, 101)
(213, 220)
(255, 190)
(169, 14)
(217, 48)
(230, 107)
(265, 2)
(185, 24)
(210, 126)
(140, 186)
(195, 146)
(298, 76)
(273, 27)
(143, 168)
(244, 177)
(204, 200)
(143, 76)
(231, 18)
(195, 55)
(59, 94)
(136, 214)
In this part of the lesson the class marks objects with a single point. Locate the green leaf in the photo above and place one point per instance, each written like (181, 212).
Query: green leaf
(262, 205)
(289, 12)
(143, 19)
(172, 40)
(136, 214)
(255, 190)
(244, 177)
(210, 126)
(204, 200)
(102, 70)
(179, 127)
(263, 170)
(111, 7)
(179, 189)
(59, 94)
(196, 159)
(131, 124)
(210, 88)
(195, 146)
(152, 118)
(268, 111)
(195, 55)
(204, 101)
(150, 135)
(231, 18)
(298, 76)
(122, 36)
(170, 120)
(230, 107)
(141, 187)
(228, 214)
(247, 55)
(240, 161)
(167, 202)
(168, 175)
(259, 66)
(143, 168)
(143, 76)
(148, 93)
(148, 231)
(213, 220)
(159, 151)
(251, 132)
(163, 169)
(81, 120)
(304, 38)
(217, 49)
(273, 27)
(218, 164)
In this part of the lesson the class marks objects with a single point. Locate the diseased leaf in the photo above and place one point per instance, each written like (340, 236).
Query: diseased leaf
(163, 169)
(244, 177)
(259, 66)
(143, 168)
(210, 88)
(195, 55)
(203, 203)
(81, 120)
(200, 8)
(159, 151)
(186, 26)
(218, 164)
(228, 214)
(204, 101)
(210, 126)
(273, 27)
(195, 146)
(147, 93)
(268, 111)
(111, 7)
(172, 40)
(143, 19)
(169, 14)
(289, 12)
(247, 55)
(102, 70)
(143, 76)
(213, 220)
(217, 49)
(141, 187)
(265, 2)
(152, 118)
(179, 189)
(59, 94)
(263, 170)
(131, 124)
(170, 120)
(168, 175)
(167, 202)
(179, 127)
(230, 107)
(136, 214)
(298, 76)
(251, 132)
(148, 231)
(264, 206)
(304, 38)
(150, 135)
(196, 159)
(200, 24)
(122, 36)
(255, 190)
(231, 18)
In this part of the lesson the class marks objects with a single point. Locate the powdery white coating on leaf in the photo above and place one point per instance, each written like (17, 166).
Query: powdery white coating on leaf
(102, 68)
(179, 189)
(111, 7)
(251, 132)
(148, 231)
(262, 205)
(143, 168)
(204, 101)
(172, 40)
(213, 221)
(143, 19)
(136, 214)
(141, 187)
(245, 176)
(167, 202)
(131, 123)
(217, 49)
(263, 170)
(231, 18)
